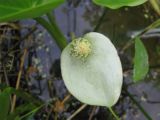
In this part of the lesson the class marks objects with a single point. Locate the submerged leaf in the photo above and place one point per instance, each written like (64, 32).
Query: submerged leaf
(114, 4)
(141, 65)
(21, 9)
(94, 75)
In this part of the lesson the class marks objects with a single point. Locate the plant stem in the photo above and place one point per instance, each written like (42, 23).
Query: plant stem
(155, 5)
(31, 112)
(92, 112)
(137, 104)
(130, 42)
(100, 20)
(54, 31)
(114, 114)
(77, 111)
(18, 79)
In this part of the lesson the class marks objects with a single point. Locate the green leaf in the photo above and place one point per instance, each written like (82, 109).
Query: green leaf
(4, 104)
(24, 95)
(17, 118)
(30, 116)
(92, 70)
(141, 65)
(21, 9)
(33, 106)
(20, 110)
(114, 4)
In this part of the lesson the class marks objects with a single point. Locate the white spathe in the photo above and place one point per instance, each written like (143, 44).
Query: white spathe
(98, 79)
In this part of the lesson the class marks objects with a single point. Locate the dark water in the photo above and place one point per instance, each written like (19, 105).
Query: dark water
(120, 26)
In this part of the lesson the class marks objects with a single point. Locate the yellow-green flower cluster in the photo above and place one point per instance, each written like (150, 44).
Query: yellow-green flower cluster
(80, 48)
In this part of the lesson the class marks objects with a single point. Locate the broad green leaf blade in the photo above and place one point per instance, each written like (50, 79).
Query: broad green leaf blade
(141, 65)
(4, 104)
(21, 9)
(97, 79)
(114, 4)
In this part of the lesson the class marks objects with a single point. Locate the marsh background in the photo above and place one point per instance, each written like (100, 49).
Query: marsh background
(41, 75)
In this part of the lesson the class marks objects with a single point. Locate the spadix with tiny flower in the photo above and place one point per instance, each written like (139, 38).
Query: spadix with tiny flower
(91, 70)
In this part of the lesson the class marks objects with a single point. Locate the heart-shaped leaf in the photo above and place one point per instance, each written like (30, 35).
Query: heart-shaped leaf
(21, 9)
(114, 4)
(92, 70)
(141, 65)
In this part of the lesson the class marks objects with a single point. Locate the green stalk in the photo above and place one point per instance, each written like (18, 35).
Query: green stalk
(100, 21)
(148, 117)
(151, 26)
(56, 28)
(155, 5)
(114, 114)
(31, 112)
(54, 32)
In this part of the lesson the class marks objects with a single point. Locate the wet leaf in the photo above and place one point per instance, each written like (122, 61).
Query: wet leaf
(93, 76)
(21, 9)
(114, 4)
(141, 65)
